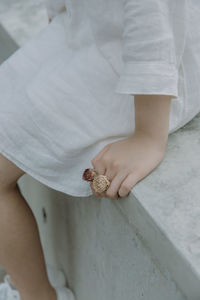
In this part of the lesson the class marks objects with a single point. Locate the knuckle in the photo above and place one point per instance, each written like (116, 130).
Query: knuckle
(126, 187)
(114, 164)
(110, 194)
(137, 171)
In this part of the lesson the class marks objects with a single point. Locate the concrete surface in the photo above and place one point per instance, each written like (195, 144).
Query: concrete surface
(100, 252)
(7, 45)
(166, 209)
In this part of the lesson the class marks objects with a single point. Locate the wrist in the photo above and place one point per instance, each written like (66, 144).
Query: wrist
(152, 114)
(160, 140)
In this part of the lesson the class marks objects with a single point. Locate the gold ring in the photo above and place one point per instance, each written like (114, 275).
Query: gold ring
(100, 183)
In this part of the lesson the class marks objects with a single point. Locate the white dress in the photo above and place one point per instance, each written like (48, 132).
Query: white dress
(68, 92)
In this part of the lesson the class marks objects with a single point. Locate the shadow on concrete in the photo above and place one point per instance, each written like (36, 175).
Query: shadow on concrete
(7, 45)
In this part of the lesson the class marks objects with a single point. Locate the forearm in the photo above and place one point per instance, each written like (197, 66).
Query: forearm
(152, 116)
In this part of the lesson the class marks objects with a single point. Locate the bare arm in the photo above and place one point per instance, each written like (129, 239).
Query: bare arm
(127, 161)
(152, 116)
(150, 55)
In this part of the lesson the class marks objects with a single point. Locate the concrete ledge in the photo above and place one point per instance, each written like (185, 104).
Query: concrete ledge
(100, 252)
(166, 209)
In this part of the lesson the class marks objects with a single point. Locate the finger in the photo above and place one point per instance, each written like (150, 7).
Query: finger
(99, 155)
(110, 173)
(112, 191)
(101, 170)
(99, 167)
(128, 183)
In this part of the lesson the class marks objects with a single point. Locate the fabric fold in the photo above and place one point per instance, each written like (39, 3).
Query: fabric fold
(150, 50)
(148, 78)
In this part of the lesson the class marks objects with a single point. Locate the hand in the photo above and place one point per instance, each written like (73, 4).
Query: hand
(127, 161)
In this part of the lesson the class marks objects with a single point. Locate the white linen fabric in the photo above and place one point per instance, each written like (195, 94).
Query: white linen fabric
(68, 92)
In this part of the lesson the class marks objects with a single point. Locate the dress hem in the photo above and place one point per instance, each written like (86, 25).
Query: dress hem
(41, 179)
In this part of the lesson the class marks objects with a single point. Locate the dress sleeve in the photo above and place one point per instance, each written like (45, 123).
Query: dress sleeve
(149, 48)
(54, 7)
